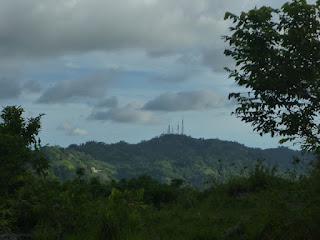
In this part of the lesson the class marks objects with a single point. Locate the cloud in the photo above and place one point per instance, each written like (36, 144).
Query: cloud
(32, 86)
(107, 103)
(70, 90)
(177, 74)
(70, 130)
(216, 60)
(185, 101)
(10, 88)
(131, 113)
(160, 27)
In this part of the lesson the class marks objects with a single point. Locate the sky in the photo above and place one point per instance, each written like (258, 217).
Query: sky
(109, 70)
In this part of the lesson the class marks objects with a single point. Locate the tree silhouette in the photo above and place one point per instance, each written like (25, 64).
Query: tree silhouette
(277, 62)
(19, 149)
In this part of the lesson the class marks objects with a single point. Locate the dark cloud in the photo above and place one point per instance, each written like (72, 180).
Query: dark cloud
(32, 86)
(185, 101)
(10, 88)
(107, 103)
(130, 113)
(55, 28)
(70, 90)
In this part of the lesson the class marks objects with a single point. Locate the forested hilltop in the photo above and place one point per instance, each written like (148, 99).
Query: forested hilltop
(34, 204)
(94, 191)
(167, 157)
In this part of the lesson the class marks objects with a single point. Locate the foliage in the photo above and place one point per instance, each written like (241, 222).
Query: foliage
(64, 164)
(277, 57)
(256, 205)
(172, 157)
(19, 149)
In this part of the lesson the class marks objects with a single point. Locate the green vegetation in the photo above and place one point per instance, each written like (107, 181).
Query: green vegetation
(64, 164)
(277, 60)
(196, 161)
(257, 205)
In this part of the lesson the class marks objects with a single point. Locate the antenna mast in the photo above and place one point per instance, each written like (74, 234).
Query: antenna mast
(182, 128)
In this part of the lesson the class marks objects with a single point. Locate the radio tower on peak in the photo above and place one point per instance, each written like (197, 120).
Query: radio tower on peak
(169, 129)
(182, 127)
(178, 130)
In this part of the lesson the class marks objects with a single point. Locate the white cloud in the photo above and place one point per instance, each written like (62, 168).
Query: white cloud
(131, 113)
(71, 90)
(185, 101)
(70, 130)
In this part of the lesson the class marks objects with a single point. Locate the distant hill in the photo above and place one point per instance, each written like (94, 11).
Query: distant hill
(168, 157)
(65, 162)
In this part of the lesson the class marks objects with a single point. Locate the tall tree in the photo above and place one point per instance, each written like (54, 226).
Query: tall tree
(277, 63)
(19, 149)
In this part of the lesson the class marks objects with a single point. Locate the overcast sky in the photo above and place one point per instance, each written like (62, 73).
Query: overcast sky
(110, 70)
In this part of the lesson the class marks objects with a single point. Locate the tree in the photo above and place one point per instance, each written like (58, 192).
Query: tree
(19, 149)
(277, 62)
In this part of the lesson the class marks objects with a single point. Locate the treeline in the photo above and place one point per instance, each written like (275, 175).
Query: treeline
(171, 157)
(260, 205)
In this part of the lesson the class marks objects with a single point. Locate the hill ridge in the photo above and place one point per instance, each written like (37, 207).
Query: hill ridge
(166, 157)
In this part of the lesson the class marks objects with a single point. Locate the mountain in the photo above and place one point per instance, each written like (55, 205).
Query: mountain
(65, 162)
(169, 157)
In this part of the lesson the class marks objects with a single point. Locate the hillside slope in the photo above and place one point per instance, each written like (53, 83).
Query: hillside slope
(65, 162)
(176, 156)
